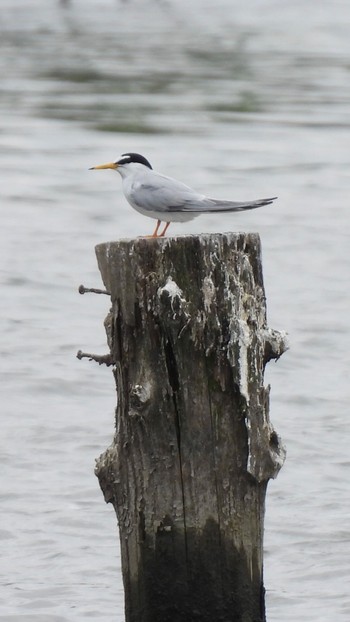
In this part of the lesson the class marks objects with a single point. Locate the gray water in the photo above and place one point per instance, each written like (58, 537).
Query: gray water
(240, 100)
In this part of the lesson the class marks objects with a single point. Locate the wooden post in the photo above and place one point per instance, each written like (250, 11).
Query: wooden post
(194, 448)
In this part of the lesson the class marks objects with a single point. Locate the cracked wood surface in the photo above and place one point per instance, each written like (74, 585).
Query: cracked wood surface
(194, 447)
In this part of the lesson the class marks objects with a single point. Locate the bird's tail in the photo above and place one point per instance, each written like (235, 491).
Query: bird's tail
(218, 205)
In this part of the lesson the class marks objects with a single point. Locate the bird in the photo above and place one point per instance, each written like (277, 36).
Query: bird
(164, 198)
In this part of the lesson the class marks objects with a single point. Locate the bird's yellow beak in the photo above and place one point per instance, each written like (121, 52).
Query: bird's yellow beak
(112, 165)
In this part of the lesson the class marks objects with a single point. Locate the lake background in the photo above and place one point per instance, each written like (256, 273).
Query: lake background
(240, 100)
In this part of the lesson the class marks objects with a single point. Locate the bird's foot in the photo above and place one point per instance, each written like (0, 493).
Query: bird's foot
(155, 233)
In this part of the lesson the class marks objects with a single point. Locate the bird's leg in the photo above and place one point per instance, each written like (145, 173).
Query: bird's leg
(155, 232)
(164, 230)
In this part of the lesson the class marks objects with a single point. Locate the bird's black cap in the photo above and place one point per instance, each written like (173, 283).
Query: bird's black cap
(133, 157)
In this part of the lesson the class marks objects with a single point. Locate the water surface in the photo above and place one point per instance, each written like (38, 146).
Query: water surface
(240, 102)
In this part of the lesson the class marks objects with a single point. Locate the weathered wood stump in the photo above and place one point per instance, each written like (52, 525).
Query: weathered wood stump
(194, 449)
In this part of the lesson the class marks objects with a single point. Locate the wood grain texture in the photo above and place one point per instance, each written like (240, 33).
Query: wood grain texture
(194, 448)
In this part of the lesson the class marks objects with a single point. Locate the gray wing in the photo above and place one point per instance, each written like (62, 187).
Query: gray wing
(164, 194)
(218, 205)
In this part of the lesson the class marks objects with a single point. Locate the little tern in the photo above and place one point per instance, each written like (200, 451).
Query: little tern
(166, 199)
